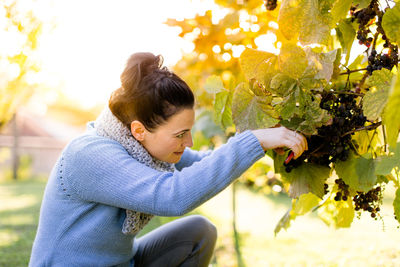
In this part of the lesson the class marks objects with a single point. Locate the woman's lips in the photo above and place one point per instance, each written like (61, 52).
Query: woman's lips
(178, 153)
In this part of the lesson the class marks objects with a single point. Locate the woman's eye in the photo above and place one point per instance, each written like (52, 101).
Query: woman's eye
(180, 135)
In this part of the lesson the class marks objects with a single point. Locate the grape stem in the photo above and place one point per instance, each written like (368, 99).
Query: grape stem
(339, 93)
(351, 71)
(369, 127)
(384, 137)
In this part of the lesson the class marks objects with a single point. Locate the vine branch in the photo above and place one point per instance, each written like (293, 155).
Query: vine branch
(369, 127)
(351, 71)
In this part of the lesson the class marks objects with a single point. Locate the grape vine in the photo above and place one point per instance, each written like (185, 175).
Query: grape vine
(347, 112)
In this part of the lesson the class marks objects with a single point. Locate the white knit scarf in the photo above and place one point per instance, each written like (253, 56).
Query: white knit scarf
(107, 125)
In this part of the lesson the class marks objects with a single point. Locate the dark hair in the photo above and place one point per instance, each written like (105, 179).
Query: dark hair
(149, 92)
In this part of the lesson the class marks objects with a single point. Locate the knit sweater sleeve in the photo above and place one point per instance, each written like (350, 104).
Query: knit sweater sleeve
(191, 156)
(100, 170)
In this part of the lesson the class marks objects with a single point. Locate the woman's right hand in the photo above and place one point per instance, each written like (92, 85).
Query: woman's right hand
(280, 137)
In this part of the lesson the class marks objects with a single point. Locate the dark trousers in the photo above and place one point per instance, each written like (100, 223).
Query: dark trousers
(188, 241)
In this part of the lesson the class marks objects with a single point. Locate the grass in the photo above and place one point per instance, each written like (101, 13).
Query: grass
(19, 214)
(308, 242)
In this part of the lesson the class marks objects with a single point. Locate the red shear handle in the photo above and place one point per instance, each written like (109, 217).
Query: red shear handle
(289, 158)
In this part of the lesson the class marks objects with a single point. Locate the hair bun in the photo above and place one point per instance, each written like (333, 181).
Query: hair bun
(138, 66)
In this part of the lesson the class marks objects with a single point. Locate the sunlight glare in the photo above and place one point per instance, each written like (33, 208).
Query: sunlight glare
(89, 46)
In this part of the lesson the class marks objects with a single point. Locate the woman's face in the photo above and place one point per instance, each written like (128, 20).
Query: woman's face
(169, 140)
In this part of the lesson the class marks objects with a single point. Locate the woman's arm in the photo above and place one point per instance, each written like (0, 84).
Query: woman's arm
(100, 170)
(190, 156)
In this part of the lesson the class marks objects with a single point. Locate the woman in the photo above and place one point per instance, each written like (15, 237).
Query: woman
(134, 162)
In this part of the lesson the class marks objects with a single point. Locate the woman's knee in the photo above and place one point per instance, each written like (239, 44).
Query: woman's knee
(204, 227)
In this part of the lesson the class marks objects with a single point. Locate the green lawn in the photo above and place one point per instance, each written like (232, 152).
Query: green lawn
(307, 243)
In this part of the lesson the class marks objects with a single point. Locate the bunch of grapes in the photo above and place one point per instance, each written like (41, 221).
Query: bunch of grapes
(343, 190)
(369, 201)
(379, 61)
(333, 142)
(270, 4)
(365, 17)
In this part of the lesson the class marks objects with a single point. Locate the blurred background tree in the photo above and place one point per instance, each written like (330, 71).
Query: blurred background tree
(21, 28)
(219, 37)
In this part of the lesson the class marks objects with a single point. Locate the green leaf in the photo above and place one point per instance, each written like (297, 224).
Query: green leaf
(314, 118)
(346, 33)
(223, 109)
(396, 205)
(300, 206)
(205, 124)
(258, 65)
(322, 63)
(290, 18)
(337, 213)
(292, 60)
(357, 172)
(282, 84)
(250, 111)
(361, 3)
(305, 120)
(385, 164)
(316, 22)
(283, 223)
(340, 10)
(345, 214)
(308, 177)
(305, 203)
(391, 22)
(376, 98)
(214, 85)
(391, 113)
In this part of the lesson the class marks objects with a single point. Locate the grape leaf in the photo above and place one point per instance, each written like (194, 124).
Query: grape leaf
(292, 60)
(258, 65)
(365, 140)
(214, 84)
(357, 172)
(391, 113)
(345, 214)
(282, 84)
(284, 222)
(300, 206)
(205, 124)
(322, 63)
(316, 22)
(314, 117)
(361, 3)
(290, 17)
(305, 120)
(385, 164)
(396, 205)
(305, 203)
(223, 109)
(340, 9)
(308, 177)
(375, 100)
(337, 213)
(391, 22)
(346, 33)
(250, 111)
(293, 104)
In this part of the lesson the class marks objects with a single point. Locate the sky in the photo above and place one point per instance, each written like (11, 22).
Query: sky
(87, 49)
(85, 43)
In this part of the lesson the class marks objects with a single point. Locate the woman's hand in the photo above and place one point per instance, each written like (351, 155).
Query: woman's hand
(280, 137)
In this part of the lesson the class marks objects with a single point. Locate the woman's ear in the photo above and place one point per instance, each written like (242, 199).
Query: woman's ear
(138, 130)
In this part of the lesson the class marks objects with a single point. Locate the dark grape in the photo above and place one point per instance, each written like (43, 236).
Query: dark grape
(270, 4)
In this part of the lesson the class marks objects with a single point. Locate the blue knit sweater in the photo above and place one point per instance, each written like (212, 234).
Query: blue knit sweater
(95, 180)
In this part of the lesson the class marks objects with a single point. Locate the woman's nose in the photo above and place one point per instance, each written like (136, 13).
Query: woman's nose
(188, 141)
